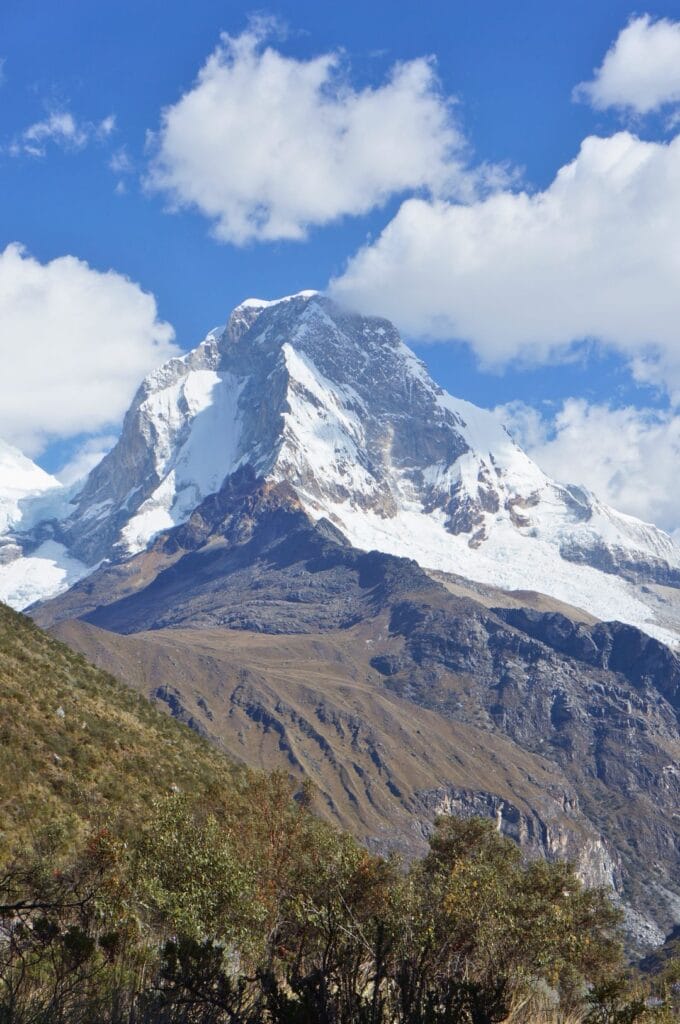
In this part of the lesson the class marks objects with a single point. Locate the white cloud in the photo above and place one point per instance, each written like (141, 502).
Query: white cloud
(74, 345)
(641, 71)
(61, 129)
(85, 458)
(106, 127)
(629, 457)
(267, 146)
(524, 276)
(120, 162)
(121, 165)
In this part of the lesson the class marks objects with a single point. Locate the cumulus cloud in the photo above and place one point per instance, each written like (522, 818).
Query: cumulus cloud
(74, 344)
(641, 70)
(86, 456)
(628, 456)
(524, 276)
(61, 129)
(267, 146)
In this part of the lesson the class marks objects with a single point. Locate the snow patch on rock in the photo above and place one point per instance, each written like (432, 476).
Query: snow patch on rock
(196, 425)
(45, 572)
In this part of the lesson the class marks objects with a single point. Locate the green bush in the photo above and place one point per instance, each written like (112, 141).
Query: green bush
(265, 913)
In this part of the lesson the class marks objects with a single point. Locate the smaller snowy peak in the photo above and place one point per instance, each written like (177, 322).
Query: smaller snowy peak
(20, 473)
(30, 571)
(20, 478)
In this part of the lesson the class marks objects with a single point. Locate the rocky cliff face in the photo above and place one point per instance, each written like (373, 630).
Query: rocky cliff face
(542, 833)
(336, 407)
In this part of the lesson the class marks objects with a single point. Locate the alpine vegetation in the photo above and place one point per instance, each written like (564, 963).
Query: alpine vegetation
(220, 897)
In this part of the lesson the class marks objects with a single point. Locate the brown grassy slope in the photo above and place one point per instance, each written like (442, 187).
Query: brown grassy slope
(312, 704)
(76, 746)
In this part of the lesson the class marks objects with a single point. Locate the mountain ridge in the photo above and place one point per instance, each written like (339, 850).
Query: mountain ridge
(338, 407)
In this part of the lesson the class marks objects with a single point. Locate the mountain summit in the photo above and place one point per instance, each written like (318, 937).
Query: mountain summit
(335, 406)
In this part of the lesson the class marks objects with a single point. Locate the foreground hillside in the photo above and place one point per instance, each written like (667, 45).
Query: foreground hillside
(79, 748)
(143, 880)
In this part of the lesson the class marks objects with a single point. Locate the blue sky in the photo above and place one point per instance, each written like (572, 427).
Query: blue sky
(84, 84)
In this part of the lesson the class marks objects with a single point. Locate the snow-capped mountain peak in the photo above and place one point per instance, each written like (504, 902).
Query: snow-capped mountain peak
(336, 405)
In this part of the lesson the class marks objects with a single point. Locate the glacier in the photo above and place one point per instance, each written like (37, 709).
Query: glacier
(27, 496)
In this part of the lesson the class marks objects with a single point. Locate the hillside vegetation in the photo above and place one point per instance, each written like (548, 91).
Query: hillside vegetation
(146, 879)
(78, 748)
